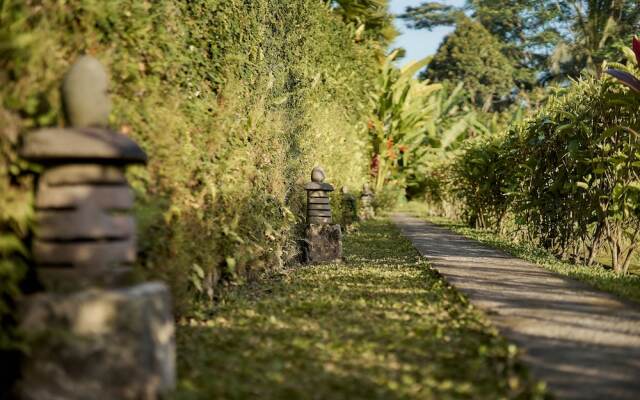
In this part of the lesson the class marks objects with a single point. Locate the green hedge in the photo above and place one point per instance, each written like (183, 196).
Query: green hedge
(234, 101)
(569, 175)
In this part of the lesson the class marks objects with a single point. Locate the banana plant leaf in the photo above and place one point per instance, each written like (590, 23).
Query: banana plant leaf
(625, 78)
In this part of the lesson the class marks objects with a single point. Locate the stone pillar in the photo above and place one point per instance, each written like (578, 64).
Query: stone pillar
(349, 208)
(323, 241)
(92, 334)
(366, 203)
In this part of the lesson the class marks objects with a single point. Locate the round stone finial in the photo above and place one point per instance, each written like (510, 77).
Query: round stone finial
(85, 94)
(317, 175)
(345, 190)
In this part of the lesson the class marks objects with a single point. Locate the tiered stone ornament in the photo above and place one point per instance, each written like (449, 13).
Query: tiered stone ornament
(366, 203)
(318, 202)
(349, 208)
(84, 233)
(98, 335)
(323, 241)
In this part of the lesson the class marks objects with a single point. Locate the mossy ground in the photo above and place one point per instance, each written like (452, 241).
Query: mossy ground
(383, 324)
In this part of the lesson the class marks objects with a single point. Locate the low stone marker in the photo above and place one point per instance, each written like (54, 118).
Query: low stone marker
(366, 203)
(323, 241)
(93, 334)
(349, 208)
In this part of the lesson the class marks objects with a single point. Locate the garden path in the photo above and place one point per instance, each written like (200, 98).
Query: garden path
(584, 343)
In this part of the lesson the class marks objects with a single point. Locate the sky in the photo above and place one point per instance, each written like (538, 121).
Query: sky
(419, 43)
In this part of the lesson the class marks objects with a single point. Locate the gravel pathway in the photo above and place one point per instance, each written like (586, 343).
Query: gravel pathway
(584, 343)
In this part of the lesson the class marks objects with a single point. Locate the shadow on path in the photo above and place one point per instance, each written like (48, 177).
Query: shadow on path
(585, 344)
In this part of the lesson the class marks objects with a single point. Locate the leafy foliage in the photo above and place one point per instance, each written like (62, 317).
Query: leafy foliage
(234, 102)
(483, 181)
(371, 16)
(398, 120)
(557, 39)
(487, 74)
(413, 123)
(431, 15)
(574, 177)
(597, 29)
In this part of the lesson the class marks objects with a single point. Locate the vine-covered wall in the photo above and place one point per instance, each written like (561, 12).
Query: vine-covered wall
(234, 101)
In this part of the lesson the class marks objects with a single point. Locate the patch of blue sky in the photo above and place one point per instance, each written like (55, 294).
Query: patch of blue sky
(418, 43)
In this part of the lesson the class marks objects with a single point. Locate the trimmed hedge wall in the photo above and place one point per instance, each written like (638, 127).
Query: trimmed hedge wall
(234, 101)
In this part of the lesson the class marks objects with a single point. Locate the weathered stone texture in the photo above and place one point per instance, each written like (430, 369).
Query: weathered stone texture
(366, 203)
(57, 145)
(85, 91)
(323, 243)
(99, 344)
(349, 208)
(83, 174)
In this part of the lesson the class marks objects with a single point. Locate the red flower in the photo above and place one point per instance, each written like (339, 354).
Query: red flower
(389, 143)
(375, 164)
(636, 48)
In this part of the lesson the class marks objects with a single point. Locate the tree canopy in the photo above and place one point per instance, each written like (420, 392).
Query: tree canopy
(544, 38)
(473, 56)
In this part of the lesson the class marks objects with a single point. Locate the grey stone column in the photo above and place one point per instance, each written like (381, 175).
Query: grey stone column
(349, 209)
(366, 203)
(93, 333)
(323, 242)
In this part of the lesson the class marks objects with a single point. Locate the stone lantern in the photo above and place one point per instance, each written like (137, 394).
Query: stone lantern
(318, 202)
(85, 234)
(98, 335)
(323, 241)
(366, 203)
(349, 208)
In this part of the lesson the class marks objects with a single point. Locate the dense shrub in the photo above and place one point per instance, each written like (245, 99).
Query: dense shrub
(483, 178)
(569, 175)
(581, 164)
(233, 100)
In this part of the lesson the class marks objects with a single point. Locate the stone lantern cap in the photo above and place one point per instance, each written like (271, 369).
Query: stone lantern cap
(77, 145)
(317, 181)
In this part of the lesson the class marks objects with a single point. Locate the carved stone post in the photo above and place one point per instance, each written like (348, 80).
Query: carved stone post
(349, 208)
(93, 335)
(323, 240)
(366, 203)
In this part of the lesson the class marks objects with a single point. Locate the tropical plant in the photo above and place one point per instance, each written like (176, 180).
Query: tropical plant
(400, 113)
(629, 74)
(452, 120)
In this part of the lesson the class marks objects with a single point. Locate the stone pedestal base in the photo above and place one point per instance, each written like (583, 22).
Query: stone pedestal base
(323, 243)
(366, 212)
(99, 344)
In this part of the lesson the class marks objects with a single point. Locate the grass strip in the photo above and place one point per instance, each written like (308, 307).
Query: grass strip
(381, 325)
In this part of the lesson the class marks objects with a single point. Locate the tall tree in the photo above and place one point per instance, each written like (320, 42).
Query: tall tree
(597, 28)
(473, 56)
(557, 38)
